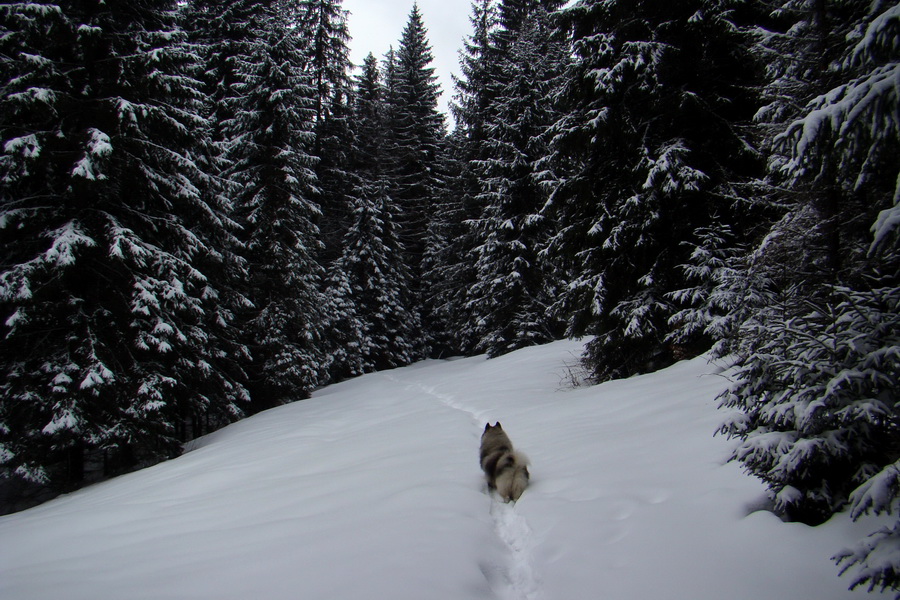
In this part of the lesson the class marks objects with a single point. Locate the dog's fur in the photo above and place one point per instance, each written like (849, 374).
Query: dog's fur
(505, 469)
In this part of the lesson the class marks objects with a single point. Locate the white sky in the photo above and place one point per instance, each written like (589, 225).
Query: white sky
(377, 25)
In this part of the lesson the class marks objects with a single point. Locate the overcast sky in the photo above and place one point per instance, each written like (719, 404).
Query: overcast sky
(377, 25)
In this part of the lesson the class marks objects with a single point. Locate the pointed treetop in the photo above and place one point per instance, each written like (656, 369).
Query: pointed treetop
(414, 39)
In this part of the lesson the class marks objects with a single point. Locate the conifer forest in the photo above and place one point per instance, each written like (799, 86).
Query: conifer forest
(206, 211)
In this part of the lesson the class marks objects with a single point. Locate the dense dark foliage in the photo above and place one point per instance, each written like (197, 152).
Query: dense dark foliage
(114, 341)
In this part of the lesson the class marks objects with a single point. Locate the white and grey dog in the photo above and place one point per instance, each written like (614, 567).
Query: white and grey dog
(505, 469)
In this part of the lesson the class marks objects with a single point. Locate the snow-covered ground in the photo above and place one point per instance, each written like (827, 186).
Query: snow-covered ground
(371, 490)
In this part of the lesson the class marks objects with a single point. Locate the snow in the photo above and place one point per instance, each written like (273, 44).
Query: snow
(877, 494)
(879, 36)
(66, 240)
(66, 420)
(97, 376)
(887, 222)
(36, 9)
(15, 318)
(371, 489)
(97, 147)
(28, 145)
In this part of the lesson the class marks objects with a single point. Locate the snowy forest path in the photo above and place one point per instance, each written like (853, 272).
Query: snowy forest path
(517, 579)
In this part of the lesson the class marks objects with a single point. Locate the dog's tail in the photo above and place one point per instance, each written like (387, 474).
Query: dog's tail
(520, 477)
(513, 481)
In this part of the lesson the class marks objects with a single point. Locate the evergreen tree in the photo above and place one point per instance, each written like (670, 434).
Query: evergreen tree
(417, 131)
(389, 323)
(221, 31)
(112, 338)
(270, 141)
(343, 327)
(370, 276)
(835, 150)
(811, 241)
(818, 394)
(843, 136)
(391, 106)
(729, 292)
(447, 268)
(324, 26)
(799, 44)
(512, 16)
(651, 147)
(452, 236)
(334, 140)
(477, 66)
(513, 290)
(816, 401)
(215, 32)
(374, 250)
(370, 147)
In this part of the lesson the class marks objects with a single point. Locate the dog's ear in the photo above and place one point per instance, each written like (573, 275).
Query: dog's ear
(498, 425)
(487, 426)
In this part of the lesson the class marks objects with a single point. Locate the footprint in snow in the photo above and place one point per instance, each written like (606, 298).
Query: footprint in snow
(520, 579)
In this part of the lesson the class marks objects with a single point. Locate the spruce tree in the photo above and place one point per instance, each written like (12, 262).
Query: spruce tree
(112, 339)
(326, 56)
(843, 135)
(817, 393)
(510, 298)
(377, 290)
(471, 101)
(218, 33)
(386, 293)
(417, 131)
(221, 32)
(651, 147)
(800, 43)
(452, 237)
(343, 328)
(334, 172)
(324, 25)
(728, 293)
(271, 138)
(370, 278)
(816, 403)
(447, 268)
(215, 32)
(833, 154)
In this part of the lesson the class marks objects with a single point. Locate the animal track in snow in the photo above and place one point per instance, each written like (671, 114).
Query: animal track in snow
(517, 579)
(450, 401)
(511, 527)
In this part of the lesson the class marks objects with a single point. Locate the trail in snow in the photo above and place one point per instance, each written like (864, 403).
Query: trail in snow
(517, 580)
(371, 489)
(513, 530)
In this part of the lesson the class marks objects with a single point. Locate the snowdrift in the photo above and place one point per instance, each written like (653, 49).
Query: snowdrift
(372, 489)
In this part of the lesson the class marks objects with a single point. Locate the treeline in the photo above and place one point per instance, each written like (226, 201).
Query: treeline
(205, 212)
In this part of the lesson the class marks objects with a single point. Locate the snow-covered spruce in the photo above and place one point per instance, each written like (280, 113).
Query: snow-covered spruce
(646, 153)
(114, 339)
(270, 139)
(514, 286)
(817, 401)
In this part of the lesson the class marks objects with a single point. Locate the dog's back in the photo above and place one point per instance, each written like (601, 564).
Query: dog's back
(505, 469)
(494, 444)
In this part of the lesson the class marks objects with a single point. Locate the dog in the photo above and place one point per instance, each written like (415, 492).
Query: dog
(505, 469)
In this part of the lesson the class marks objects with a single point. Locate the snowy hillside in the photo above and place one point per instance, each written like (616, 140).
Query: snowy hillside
(371, 490)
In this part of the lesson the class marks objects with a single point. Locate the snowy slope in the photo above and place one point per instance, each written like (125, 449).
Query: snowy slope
(371, 490)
